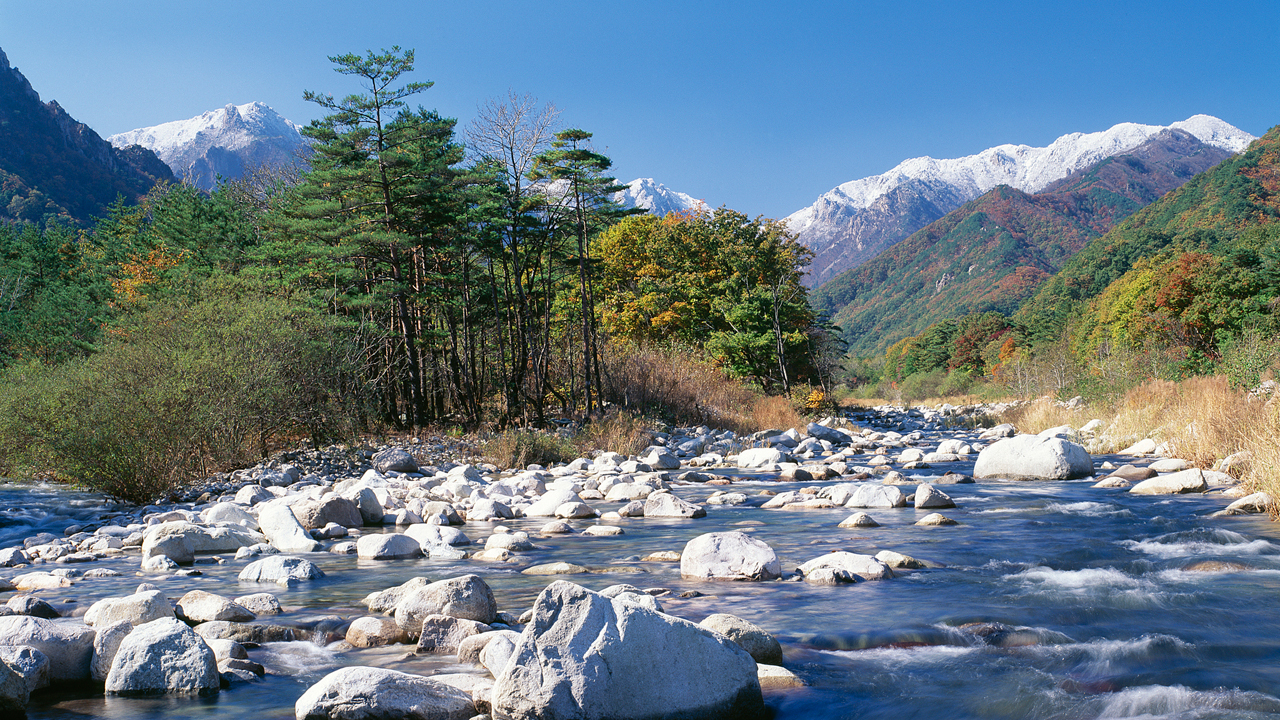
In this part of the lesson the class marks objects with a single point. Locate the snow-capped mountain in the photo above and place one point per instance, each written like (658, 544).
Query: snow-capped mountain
(223, 142)
(852, 223)
(648, 194)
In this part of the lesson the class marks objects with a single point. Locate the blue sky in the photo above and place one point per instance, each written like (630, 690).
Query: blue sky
(761, 106)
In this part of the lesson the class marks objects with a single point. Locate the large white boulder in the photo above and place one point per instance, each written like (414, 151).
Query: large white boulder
(163, 657)
(368, 693)
(729, 556)
(863, 567)
(1034, 457)
(467, 597)
(664, 504)
(588, 657)
(138, 608)
(1187, 481)
(283, 530)
(877, 496)
(199, 606)
(69, 646)
(281, 570)
(760, 457)
(387, 546)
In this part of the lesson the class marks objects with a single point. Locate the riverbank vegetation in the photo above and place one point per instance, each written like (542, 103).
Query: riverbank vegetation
(412, 275)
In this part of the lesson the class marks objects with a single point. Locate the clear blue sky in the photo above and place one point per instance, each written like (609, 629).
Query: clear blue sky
(761, 106)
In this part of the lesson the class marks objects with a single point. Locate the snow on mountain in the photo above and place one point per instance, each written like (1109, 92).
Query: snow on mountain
(855, 221)
(223, 142)
(648, 194)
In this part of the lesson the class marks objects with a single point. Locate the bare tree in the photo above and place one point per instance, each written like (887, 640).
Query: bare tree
(509, 133)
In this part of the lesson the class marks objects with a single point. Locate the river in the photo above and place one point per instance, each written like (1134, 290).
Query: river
(1098, 615)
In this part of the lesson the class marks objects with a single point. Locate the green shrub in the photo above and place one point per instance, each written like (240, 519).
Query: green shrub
(178, 393)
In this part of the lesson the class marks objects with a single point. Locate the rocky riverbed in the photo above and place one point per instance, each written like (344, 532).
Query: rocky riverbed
(889, 564)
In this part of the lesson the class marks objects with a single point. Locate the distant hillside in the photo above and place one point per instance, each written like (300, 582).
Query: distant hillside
(856, 221)
(221, 143)
(52, 165)
(992, 253)
(658, 199)
(1208, 214)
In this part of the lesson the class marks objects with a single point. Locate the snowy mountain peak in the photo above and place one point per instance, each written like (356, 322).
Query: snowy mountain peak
(658, 199)
(853, 222)
(222, 142)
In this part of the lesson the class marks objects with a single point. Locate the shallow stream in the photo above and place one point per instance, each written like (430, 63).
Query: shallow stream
(1098, 615)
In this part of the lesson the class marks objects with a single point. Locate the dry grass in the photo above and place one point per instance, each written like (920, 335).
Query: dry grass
(1201, 420)
(677, 385)
(1044, 413)
(520, 448)
(776, 413)
(618, 431)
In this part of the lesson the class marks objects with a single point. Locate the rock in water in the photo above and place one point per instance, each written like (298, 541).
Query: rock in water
(1032, 457)
(163, 657)
(587, 657)
(69, 646)
(1187, 481)
(729, 556)
(366, 693)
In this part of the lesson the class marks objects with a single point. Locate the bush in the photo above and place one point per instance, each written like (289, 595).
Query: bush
(181, 392)
(1247, 359)
(680, 387)
(618, 431)
(520, 448)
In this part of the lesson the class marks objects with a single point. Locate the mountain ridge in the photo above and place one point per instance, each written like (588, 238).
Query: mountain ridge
(853, 222)
(53, 165)
(994, 251)
(220, 143)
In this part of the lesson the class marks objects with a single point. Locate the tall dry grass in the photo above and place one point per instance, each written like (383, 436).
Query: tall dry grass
(679, 386)
(1201, 420)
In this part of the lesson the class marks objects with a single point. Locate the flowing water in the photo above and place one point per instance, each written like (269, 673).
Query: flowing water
(1085, 606)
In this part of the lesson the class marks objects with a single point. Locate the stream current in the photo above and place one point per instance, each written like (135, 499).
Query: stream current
(1086, 605)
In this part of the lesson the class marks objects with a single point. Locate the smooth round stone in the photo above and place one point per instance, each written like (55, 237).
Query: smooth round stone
(602, 531)
(859, 519)
(556, 527)
(936, 519)
(555, 568)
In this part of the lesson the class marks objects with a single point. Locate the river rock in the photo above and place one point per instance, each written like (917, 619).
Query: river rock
(368, 693)
(1033, 457)
(387, 546)
(139, 608)
(14, 692)
(666, 505)
(877, 496)
(641, 665)
(33, 606)
(385, 601)
(105, 644)
(163, 657)
(487, 509)
(198, 606)
(1169, 465)
(470, 648)
(233, 512)
(929, 497)
(760, 457)
(859, 519)
(1258, 502)
(69, 646)
(283, 530)
(443, 634)
(864, 567)
(394, 460)
(935, 519)
(29, 664)
(660, 458)
(497, 653)
(331, 508)
(260, 603)
(898, 560)
(729, 555)
(280, 569)
(369, 631)
(547, 504)
(428, 535)
(1142, 447)
(467, 597)
(763, 647)
(1187, 481)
